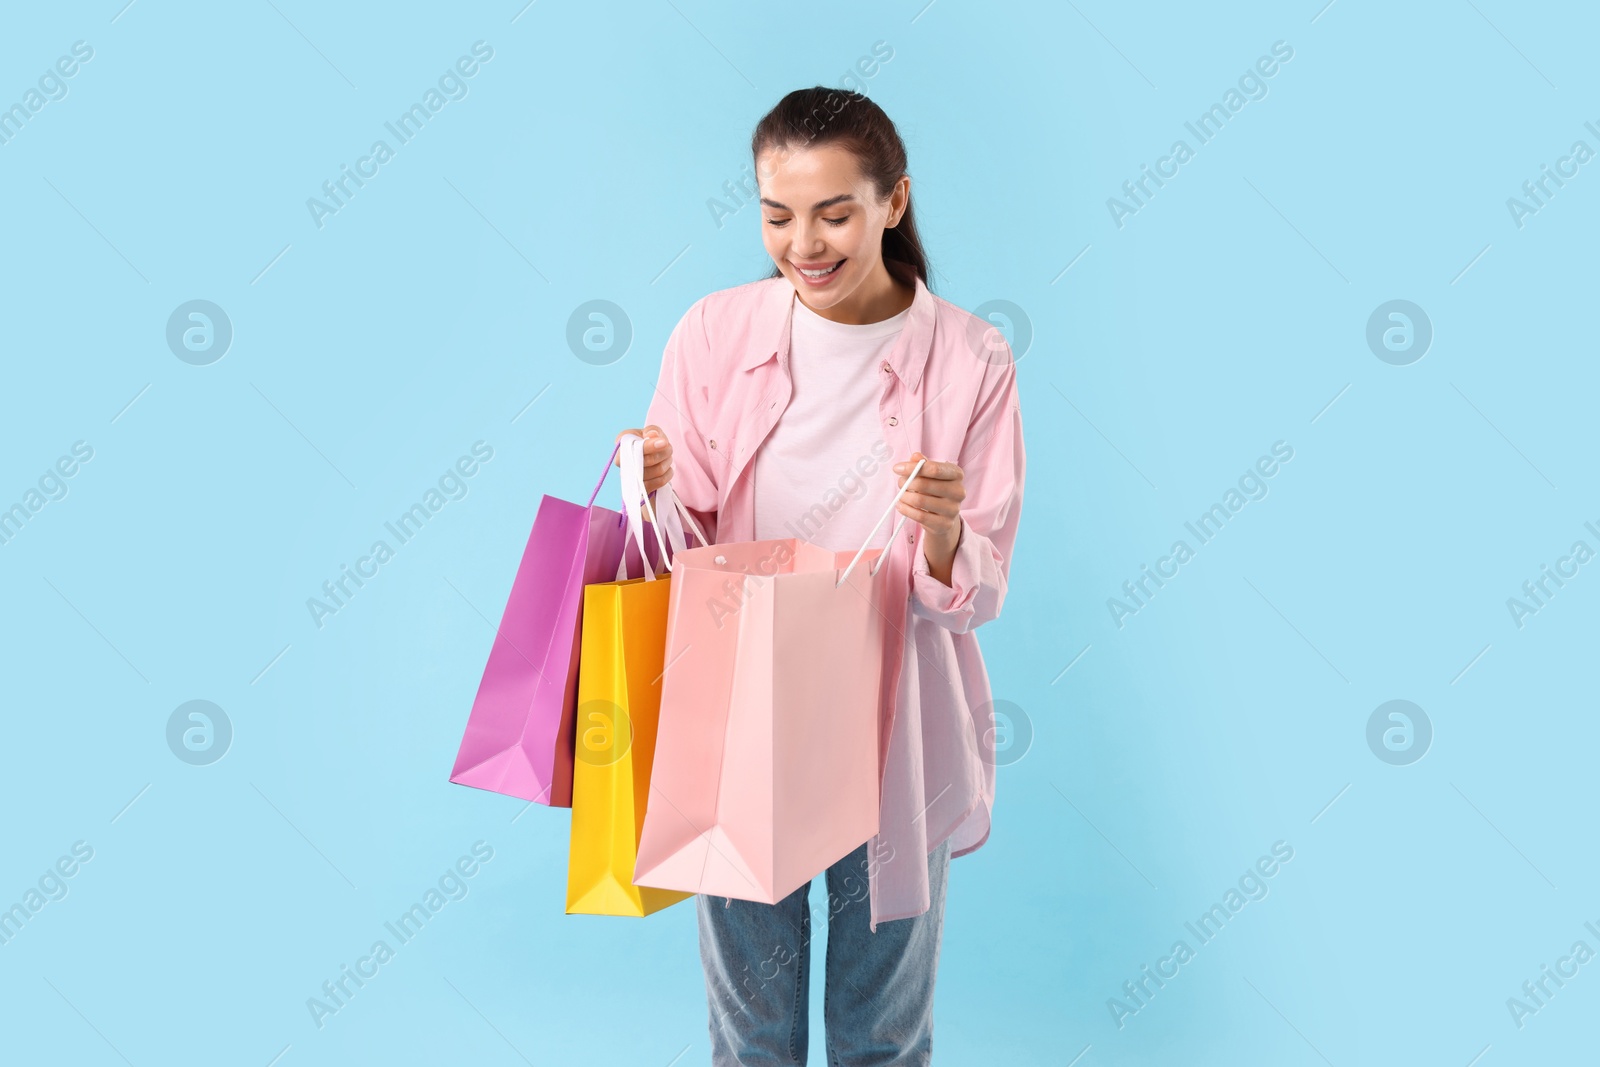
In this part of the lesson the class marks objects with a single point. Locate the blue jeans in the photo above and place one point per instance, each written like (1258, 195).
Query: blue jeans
(878, 1000)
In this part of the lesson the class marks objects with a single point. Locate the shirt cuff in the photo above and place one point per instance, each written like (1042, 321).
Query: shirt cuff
(954, 601)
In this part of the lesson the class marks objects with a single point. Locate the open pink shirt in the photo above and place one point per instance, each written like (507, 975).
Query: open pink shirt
(950, 392)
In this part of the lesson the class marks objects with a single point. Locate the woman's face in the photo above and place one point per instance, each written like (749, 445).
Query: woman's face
(823, 223)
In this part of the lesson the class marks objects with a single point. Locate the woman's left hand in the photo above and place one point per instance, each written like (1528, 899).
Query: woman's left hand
(934, 500)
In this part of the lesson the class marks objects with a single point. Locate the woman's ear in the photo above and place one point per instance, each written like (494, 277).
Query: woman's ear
(899, 198)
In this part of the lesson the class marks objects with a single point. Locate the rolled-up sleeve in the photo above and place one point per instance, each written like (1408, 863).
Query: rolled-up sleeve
(672, 408)
(992, 464)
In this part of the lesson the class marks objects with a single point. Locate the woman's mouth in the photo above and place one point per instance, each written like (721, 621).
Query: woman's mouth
(819, 276)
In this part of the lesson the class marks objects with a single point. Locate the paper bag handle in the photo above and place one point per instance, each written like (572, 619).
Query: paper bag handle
(673, 514)
(603, 474)
(633, 495)
(873, 570)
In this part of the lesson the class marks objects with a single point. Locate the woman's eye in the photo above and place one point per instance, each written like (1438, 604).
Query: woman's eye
(831, 222)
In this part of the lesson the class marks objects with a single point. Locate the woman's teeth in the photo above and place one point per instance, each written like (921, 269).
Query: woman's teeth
(821, 273)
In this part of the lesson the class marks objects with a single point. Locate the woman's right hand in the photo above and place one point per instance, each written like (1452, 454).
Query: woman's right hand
(657, 457)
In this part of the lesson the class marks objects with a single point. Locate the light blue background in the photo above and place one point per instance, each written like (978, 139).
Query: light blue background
(1228, 314)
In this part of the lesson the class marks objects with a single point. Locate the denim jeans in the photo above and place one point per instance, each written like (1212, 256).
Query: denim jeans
(878, 999)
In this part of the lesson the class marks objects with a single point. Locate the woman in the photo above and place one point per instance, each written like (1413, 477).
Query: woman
(779, 406)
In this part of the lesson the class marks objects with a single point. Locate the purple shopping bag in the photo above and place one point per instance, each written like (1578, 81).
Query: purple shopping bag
(519, 736)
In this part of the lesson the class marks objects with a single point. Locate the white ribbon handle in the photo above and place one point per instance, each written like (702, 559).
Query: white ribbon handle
(633, 495)
(873, 570)
(671, 514)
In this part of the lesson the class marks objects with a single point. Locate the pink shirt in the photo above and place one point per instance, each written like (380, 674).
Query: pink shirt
(825, 472)
(949, 391)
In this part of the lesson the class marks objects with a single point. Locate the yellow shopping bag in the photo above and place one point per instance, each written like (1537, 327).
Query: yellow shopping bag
(621, 660)
(619, 699)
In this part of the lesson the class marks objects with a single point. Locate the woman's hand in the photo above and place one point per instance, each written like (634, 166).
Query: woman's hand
(657, 459)
(934, 500)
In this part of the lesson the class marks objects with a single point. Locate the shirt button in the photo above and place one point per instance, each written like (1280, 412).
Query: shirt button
(893, 421)
(713, 443)
(886, 366)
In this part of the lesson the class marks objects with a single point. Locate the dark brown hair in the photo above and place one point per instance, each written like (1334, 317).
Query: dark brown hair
(819, 115)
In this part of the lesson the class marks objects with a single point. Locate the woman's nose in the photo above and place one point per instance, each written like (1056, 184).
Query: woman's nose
(808, 240)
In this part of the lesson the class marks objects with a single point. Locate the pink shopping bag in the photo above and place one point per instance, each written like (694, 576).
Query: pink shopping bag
(519, 736)
(766, 760)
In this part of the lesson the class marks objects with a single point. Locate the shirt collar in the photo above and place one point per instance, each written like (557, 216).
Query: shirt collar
(769, 335)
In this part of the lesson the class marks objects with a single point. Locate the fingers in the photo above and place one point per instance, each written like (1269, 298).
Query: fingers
(655, 442)
(654, 482)
(657, 451)
(657, 458)
(931, 469)
(938, 488)
(648, 433)
(935, 523)
(953, 491)
(927, 504)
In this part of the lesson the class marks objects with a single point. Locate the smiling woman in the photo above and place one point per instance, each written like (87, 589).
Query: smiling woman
(766, 392)
(836, 203)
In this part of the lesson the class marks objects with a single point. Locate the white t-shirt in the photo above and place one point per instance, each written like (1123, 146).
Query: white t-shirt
(825, 473)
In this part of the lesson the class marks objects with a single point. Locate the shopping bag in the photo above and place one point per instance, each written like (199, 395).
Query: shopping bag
(766, 757)
(619, 697)
(518, 739)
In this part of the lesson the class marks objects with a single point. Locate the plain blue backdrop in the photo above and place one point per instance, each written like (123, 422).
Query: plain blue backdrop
(1151, 757)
